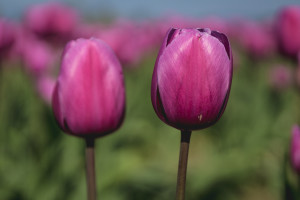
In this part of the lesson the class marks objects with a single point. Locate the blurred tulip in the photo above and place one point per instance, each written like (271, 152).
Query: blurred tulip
(256, 38)
(89, 97)
(36, 55)
(280, 77)
(288, 30)
(45, 86)
(295, 148)
(131, 45)
(192, 78)
(7, 36)
(51, 20)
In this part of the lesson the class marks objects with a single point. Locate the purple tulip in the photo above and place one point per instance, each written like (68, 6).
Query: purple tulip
(132, 44)
(7, 36)
(295, 148)
(89, 96)
(37, 56)
(257, 39)
(192, 78)
(51, 19)
(288, 29)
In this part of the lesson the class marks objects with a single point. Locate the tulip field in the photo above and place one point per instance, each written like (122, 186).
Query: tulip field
(251, 153)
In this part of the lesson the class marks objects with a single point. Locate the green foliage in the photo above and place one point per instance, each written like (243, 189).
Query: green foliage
(241, 157)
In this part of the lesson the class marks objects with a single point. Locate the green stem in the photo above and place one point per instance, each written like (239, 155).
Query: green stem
(182, 166)
(90, 168)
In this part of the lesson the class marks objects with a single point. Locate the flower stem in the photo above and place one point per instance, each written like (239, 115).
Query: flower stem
(90, 168)
(182, 166)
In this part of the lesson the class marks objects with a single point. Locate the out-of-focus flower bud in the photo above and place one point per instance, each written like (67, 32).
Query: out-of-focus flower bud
(288, 30)
(51, 20)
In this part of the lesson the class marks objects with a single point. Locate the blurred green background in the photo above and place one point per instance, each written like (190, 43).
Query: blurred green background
(241, 157)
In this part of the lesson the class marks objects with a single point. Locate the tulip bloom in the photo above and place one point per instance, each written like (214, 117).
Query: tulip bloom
(256, 38)
(51, 19)
(288, 29)
(7, 36)
(89, 97)
(37, 56)
(295, 148)
(192, 78)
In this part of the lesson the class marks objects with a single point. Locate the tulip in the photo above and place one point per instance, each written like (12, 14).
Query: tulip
(52, 19)
(131, 45)
(191, 84)
(7, 36)
(37, 56)
(256, 38)
(295, 148)
(89, 96)
(192, 78)
(288, 29)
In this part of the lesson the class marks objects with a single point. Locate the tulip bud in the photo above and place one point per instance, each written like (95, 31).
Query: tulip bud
(256, 38)
(295, 148)
(89, 96)
(288, 29)
(51, 19)
(7, 36)
(192, 78)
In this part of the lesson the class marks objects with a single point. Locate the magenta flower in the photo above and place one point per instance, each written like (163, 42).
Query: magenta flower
(192, 78)
(51, 19)
(89, 96)
(257, 39)
(37, 56)
(132, 44)
(295, 148)
(288, 29)
(7, 36)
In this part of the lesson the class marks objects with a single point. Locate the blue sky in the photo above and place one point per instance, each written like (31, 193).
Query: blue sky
(140, 9)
